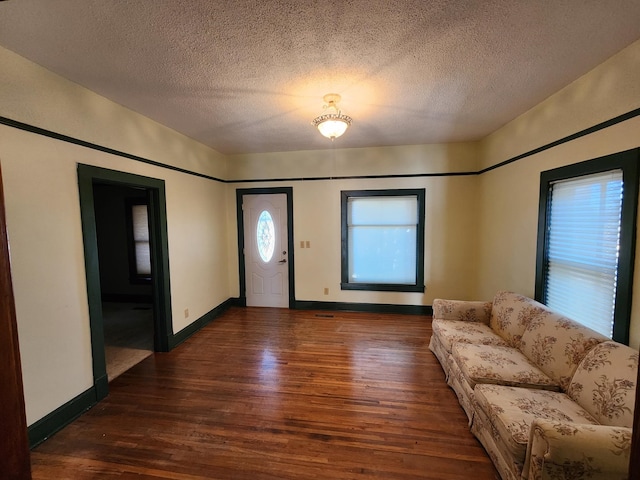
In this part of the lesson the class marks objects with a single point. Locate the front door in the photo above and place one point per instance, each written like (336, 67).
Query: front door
(266, 250)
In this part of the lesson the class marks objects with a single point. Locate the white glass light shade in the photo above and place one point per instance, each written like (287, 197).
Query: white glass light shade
(332, 125)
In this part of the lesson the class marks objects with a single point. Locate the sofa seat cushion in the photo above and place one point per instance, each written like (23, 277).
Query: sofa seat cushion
(500, 365)
(450, 332)
(462, 389)
(441, 354)
(557, 345)
(511, 410)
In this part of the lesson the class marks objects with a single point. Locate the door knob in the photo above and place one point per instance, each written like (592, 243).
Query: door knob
(284, 260)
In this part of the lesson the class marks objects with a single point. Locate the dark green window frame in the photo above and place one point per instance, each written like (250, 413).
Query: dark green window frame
(418, 286)
(626, 161)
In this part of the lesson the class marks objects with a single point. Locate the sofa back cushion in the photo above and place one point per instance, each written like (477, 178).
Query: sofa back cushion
(604, 383)
(510, 315)
(557, 345)
(466, 311)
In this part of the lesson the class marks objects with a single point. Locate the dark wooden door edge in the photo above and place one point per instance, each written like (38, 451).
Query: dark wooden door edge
(15, 462)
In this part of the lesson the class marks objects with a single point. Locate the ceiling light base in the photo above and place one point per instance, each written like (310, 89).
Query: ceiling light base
(331, 100)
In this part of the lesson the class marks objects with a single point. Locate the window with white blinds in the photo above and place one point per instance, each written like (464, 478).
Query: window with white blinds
(383, 240)
(142, 250)
(583, 242)
(587, 221)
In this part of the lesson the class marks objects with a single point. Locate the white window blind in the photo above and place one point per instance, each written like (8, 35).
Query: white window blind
(583, 239)
(141, 239)
(382, 234)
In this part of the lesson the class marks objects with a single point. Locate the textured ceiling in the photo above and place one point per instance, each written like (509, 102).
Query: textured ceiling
(249, 76)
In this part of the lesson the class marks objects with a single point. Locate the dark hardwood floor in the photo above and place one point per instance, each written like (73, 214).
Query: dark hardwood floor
(128, 335)
(277, 394)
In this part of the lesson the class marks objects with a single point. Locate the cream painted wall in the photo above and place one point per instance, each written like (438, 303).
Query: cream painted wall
(345, 162)
(451, 213)
(607, 91)
(509, 195)
(34, 95)
(480, 230)
(43, 220)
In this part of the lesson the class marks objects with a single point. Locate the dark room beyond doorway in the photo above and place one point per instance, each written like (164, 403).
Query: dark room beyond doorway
(127, 295)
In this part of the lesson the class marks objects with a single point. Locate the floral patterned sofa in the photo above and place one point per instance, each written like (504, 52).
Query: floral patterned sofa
(546, 396)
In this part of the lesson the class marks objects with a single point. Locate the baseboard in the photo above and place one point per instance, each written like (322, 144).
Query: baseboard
(61, 417)
(192, 328)
(237, 302)
(67, 413)
(365, 307)
(101, 386)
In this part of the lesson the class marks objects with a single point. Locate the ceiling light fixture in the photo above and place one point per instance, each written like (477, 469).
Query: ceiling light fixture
(332, 125)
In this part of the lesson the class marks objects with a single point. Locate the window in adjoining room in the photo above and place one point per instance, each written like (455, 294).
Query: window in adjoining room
(586, 241)
(139, 245)
(383, 240)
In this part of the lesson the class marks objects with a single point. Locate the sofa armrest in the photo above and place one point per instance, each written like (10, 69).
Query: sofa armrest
(462, 310)
(572, 450)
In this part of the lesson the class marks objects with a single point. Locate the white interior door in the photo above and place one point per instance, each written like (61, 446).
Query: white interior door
(266, 250)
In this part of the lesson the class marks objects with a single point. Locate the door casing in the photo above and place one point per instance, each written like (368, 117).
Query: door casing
(267, 281)
(240, 193)
(87, 177)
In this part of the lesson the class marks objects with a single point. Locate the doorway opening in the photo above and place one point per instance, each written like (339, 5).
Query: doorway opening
(124, 257)
(265, 246)
(130, 317)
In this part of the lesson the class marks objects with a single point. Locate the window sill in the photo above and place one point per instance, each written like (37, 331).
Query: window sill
(382, 287)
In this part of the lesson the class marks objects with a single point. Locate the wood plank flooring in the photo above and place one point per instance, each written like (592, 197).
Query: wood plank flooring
(277, 394)
(128, 335)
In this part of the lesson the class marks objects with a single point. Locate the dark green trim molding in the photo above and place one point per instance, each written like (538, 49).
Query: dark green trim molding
(355, 177)
(65, 138)
(568, 138)
(67, 413)
(61, 417)
(92, 270)
(207, 318)
(364, 307)
(345, 195)
(87, 177)
(629, 162)
(161, 277)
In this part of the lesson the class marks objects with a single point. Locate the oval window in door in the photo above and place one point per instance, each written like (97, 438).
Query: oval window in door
(265, 236)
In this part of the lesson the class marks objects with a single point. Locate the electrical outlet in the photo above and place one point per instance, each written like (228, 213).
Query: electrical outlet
(186, 313)
(308, 243)
(301, 243)
(326, 291)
